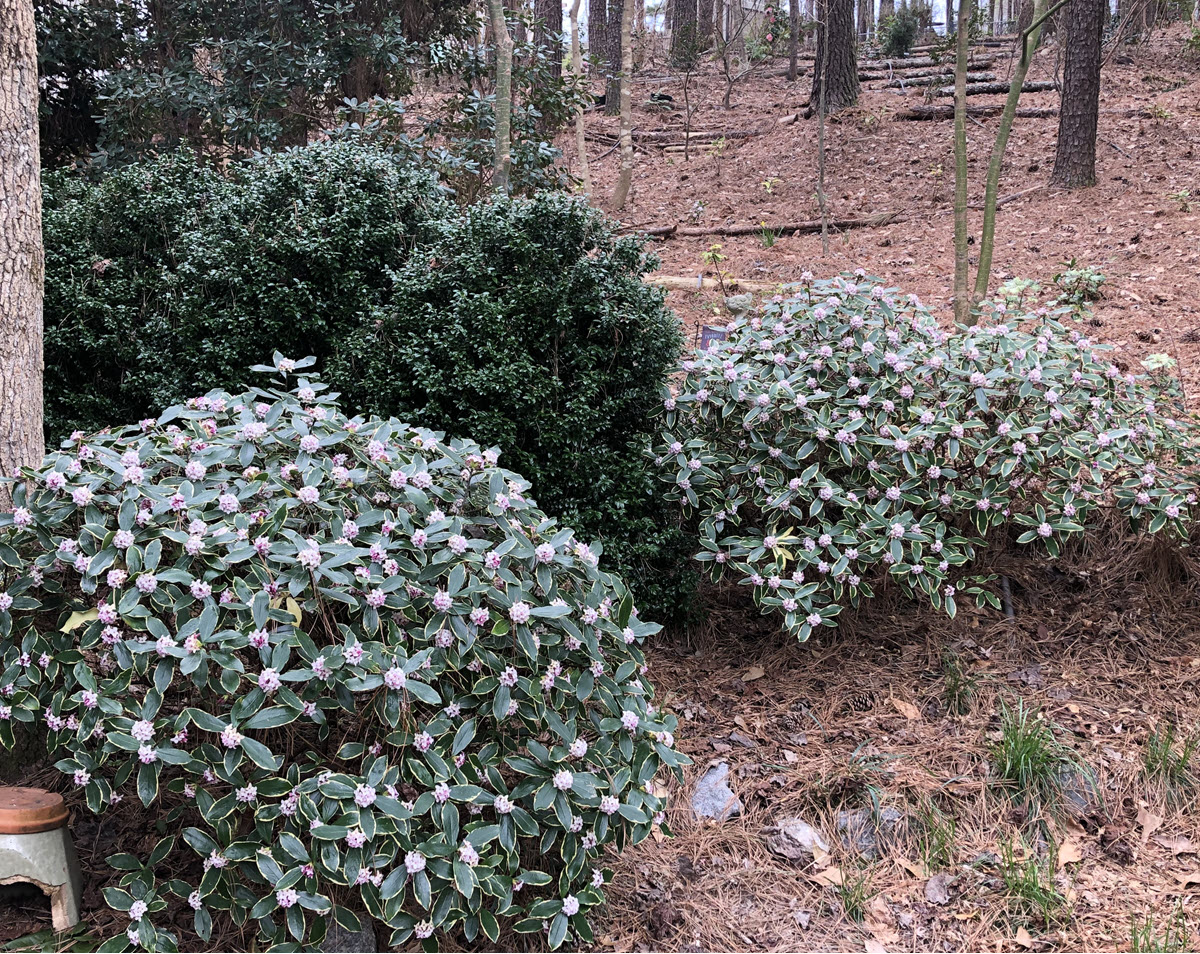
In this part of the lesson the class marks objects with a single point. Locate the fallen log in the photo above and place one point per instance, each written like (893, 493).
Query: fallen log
(920, 111)
(923, 62)
(675, 136)
(778, 228)
(981, 89)
(902, 82)
(684, 283)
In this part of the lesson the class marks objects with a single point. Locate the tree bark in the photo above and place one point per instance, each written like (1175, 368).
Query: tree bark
(504, 54)
(612, 42)
(887, 8)
(794, 40)
(585, 174)
(1075, 157)
(865, 10)
(704, 24)
(835, 76)
(548, 30)
(22, 258)
(962, 300)
(685, 35)
(625, 177)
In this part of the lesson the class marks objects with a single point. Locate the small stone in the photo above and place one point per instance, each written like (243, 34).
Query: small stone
(796, 840)
(739, 304)
(1078, 788)
(867, 832)
(340, 941)
(713, 798)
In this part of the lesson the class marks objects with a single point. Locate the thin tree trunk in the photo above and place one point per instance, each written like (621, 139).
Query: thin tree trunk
(962, 300)
(585, 174)
(1029, 43)
(504, 53)
(836, 81)
(625, 177)
(1075, 158)
(22, 261)
(794, 40)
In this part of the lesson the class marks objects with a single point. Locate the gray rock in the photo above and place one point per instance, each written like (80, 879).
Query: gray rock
(868, 832)
(1079, 790)
(738, 305)
(713, 798)
(340, 941)
(795, 839)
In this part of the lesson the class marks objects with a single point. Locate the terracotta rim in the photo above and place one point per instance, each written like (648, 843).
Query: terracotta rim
(24, 811)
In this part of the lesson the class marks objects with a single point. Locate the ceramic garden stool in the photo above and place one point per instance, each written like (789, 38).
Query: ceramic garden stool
(36, 848)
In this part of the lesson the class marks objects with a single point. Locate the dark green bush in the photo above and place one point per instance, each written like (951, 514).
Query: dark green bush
(521, 322)
(166, 279)
(898, 32)
(526, 324)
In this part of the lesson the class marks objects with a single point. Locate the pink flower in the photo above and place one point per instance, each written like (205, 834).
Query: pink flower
(519, 612)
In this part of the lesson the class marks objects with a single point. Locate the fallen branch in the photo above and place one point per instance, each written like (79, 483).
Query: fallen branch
(779, 228)
(920, 111)
(1002, 201)
(981, 89)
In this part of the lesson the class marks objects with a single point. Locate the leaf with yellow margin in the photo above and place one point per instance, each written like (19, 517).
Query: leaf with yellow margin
(77, 619)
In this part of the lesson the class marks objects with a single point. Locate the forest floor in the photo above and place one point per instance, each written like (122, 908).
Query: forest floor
(897, 717)
(1128, 225)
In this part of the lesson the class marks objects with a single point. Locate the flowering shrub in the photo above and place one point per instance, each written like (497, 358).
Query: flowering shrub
(343, 657)
(841, 435)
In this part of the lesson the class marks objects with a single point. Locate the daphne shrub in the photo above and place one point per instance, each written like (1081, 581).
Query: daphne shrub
(350, 662)
(841, 437)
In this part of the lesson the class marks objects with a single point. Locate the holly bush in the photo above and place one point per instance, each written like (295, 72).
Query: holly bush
(349, 661)
(841, 438)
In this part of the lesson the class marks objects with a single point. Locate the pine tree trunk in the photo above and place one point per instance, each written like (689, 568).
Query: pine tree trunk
(625, 177)
(597, 37)
(865, 9)
(548, 31)
(1075, 158)
(704, 24)
(22, 261)
(504, 55)
(794, 40)
(839, 75)
(612, 42)
(887, 8)
(685, 46)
